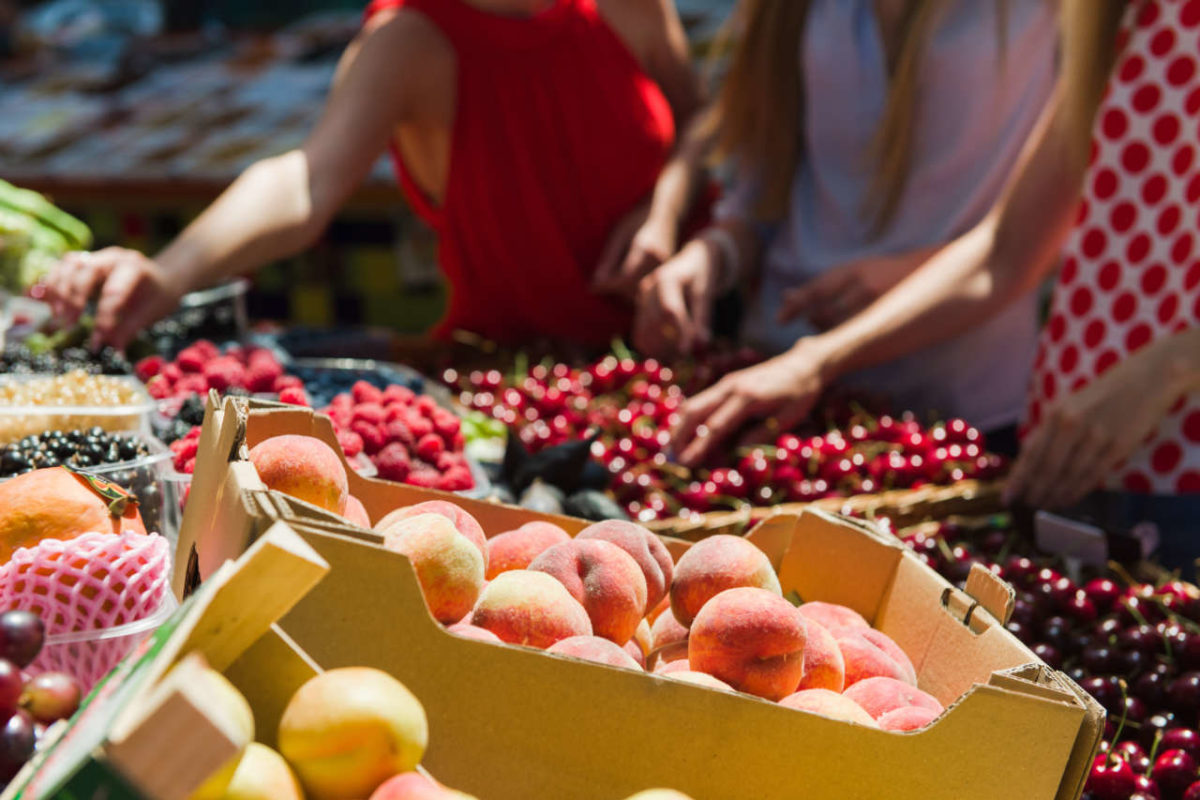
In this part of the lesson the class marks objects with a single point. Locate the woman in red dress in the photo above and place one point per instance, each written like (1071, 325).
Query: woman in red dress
(526, 132)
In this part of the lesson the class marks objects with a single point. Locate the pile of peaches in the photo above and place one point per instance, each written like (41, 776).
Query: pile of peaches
(613, 594)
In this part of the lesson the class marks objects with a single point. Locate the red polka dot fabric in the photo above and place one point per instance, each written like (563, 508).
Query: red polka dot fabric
(1131, 268)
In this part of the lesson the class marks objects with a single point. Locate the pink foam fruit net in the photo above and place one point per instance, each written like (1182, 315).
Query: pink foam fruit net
(92, 582)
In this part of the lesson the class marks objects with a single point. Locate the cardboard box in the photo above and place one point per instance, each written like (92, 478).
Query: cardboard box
(509, 722)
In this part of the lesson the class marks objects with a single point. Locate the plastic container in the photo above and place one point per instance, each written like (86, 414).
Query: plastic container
(88, 656)
(19, 421)
(325, 377)
(157, 486)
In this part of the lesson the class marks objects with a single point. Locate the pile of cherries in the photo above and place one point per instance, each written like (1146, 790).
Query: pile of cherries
(634, 404)
(1135, 647)
(28, 704)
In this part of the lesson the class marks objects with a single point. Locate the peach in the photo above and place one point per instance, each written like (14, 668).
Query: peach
(698, 678)
(662, 606)
(643, 637)
(469, 631)
(262, 774)
(635, 652)
(449, 567)
(669, 667)
(752, 639)
(517, 548)
(530, 608)
(828, 704)
(647, 550)
(466, 524)
(594, 648)
(713, 565)
(348, 730)
(833, 616)
(824, 666)
(356, 513)
(907, 719)
(878, 696)
(659, 794)
(668, 639)
(871, 654)
(415, 786)
(604, 579)
(305, 468)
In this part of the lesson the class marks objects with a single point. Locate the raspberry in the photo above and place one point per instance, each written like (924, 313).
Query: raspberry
(372, 436)
(191, 359)
(294, 396)
(284, 381)
(237, 353)
(445, 423)
(159, 388)
(148, 367)
(458, 442)
(351, 442)
(369, 412)
(194, 433)
(189, 468)
(341, 418)
(364, 392)
(456, 480)
(426, 404)
(256, 355)
(394, 412)
(429, 447)
(393, 462)
(419, 426)
(206, 349)
(261, 376)
(342, 400)
(397, 431)
(396, 393)
(424, 477)
(224, 373)
(187, 449)
(191, 384)
(171, 372)
(447, 461)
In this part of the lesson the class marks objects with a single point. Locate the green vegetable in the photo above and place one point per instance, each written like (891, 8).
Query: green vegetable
(76, 235)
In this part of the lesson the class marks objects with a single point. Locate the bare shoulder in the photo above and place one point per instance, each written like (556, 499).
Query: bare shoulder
(412, 38)
(641, 24)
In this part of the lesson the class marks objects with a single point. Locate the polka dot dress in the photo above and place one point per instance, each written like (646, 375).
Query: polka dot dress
(1131, 268)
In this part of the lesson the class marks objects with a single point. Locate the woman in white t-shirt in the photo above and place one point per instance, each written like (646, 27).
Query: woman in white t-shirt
(867, 134)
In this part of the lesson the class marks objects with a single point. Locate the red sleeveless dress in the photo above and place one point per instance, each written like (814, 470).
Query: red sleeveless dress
(558, 133)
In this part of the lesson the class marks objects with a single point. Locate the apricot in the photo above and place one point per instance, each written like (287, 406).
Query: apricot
(604, 579)
(594, 648)
(871, 654)
(907, 719)
(828, 704)
(713, 565)
(530, 608)
(752, 639)
(305, 468)
(356, 513)
(646, 549)
(516, 549)
(878, 696)
(348, 730)
(833, 616)
(824, 666)
(464, 523)
(449, 566)
(262, 774)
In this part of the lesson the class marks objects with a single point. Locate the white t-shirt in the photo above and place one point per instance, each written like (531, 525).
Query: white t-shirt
(980, 95)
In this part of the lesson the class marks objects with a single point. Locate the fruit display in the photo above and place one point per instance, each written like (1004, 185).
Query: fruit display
(202, 366)
(325, 379)
(34, 234)
(28, 704)
(627, 407)
(31, 405)
(27, 358)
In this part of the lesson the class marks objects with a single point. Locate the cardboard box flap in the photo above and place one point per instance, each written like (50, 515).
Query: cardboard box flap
(270, 672)
(996, 596)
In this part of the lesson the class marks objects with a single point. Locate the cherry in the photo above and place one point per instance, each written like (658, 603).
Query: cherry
(1134, 754)
(1183, 695)
(1101, 660)
(1145, 789)
(1174, 771)
(1048, 653)
(1142, 638)
(1151, 688)
(1111, 778)
(1193, 792)
(1106, 690)
(1155, 725)
(21, 636)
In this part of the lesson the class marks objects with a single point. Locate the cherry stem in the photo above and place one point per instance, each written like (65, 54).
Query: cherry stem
(1121, 724)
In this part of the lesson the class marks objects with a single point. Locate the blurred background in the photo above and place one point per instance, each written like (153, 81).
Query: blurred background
(134, 114)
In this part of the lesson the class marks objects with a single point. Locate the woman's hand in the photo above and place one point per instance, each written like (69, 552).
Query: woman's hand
(674, 304)
(132, 290)
(1085, 436)
(833, 297)
(782, 390)
(637, 246)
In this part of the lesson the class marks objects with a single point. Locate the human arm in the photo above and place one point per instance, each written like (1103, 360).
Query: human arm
(969, 280)
(276, 208)
(649, 234)
(1084, 436)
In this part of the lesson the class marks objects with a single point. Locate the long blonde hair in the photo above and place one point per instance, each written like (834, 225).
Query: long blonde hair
(758, 115)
